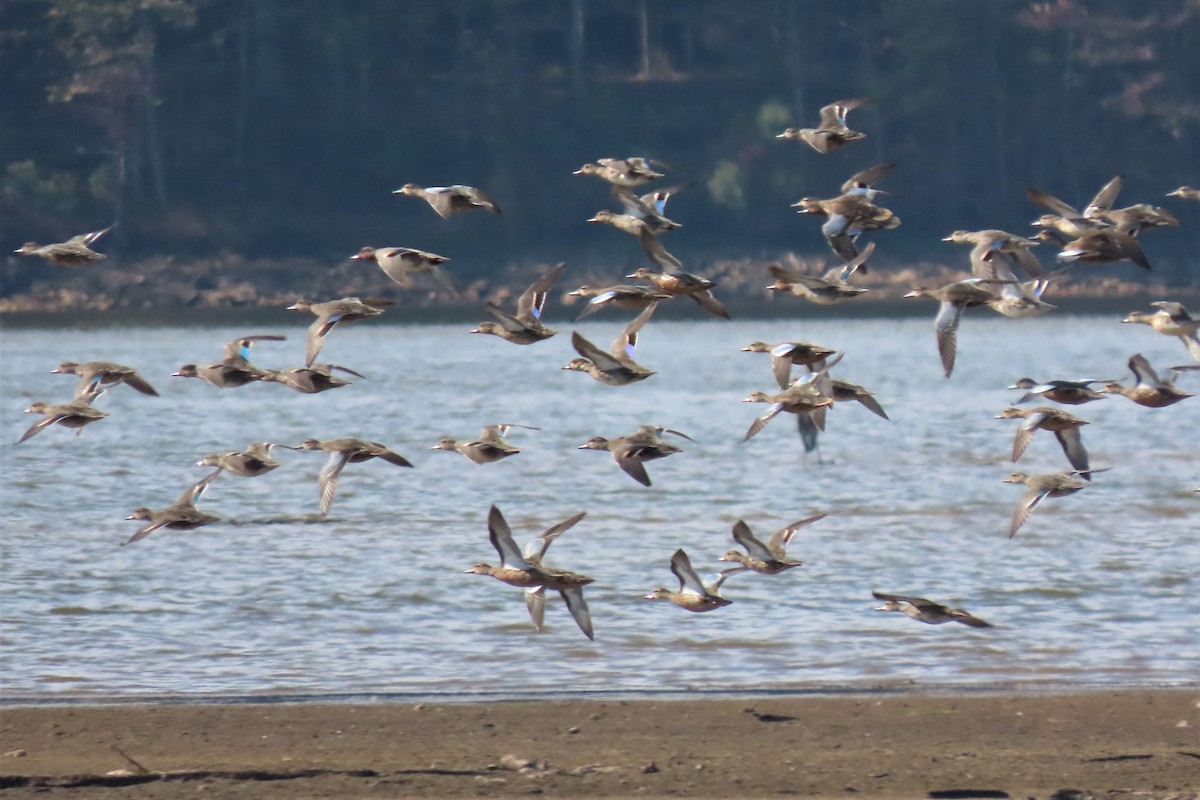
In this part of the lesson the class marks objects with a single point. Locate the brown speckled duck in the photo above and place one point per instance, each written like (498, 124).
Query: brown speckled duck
(1064, 426)
(182, 515)
(450, 200)
(75, 252)
(927, 611)
(526, 326)
(768, 558)
(342, 452)
(616, 367)
(693, 594)
(103, 374)
(831, 132)
(1148, 390)
(527, 571)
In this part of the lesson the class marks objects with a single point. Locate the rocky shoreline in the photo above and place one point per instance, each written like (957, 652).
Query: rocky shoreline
(234, 282)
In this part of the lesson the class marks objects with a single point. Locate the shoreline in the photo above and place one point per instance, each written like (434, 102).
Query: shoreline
(909, 744)
(1024, 689)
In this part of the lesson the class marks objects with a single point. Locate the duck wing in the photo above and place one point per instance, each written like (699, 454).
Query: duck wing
(752, 544)
(1072, 445)
(761, 422)
(1025, 507)
(533, 299)
(946, 325)
(538, 547)
(535, 602)
(573, 597)
(327, 478)
(783, 537)
(604, 361)
(708, 301)
(502, 539)
(1104, 199)
(625, 345)
(627, 460)
(689, 581)
(657, 253)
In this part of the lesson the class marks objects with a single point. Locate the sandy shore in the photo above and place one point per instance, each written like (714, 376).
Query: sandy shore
(1109, 744)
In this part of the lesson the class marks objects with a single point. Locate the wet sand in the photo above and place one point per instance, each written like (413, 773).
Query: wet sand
(891, 746)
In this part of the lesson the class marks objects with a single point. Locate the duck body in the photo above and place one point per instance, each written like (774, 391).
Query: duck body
(255, 460)
(342, 452)
(1050, 484)
(526, 326)
(615, 367)
(94, 375)
(402, 263)
(693, 594)
(831, 132)
(75, 415)
(331, 313)
(527, 570)
(182, 515)
(769, 558)
(75, 252)
(631, 451)
(927, 611)
(450, 200)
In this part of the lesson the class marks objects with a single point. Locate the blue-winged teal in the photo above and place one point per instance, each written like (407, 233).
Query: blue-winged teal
(831, 132)
(625, 296)
(95, 375)
(927, 611)
(182, 515)
(526, 326)
(616, 367)
(1148, 389)
(1064, 426)
(1172, 319)
(1104, 247)
(785, 354)
(331, 313)
(527, 571)
(1065, 221)
(769, 558)
(450, 200)
(693, 594)
(255, 460)
(632, 450)
(75, 414)
(991, 246)
(684, 284)
(310, 380)
(954, 298)
(401, 263)
(812, 395)
(1072, 393)
(832, 288)
(490, 446)
(1050, 484)
(627, 172)
(342, 452)
(846, 218)
(221, 375)
(75, 252)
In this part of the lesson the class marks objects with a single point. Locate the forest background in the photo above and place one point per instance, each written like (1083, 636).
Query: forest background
(248, 147)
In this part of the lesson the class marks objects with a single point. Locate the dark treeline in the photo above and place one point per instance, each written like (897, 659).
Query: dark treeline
(268, 128)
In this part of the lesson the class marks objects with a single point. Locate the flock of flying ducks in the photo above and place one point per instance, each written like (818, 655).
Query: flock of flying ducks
(1099, 233)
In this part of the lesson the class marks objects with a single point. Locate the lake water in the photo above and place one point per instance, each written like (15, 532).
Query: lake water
(1098, 589)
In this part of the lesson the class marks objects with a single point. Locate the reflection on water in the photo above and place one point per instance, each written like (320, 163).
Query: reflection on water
(1097, 588)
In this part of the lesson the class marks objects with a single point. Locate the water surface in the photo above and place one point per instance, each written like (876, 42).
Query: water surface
(1097, 589)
